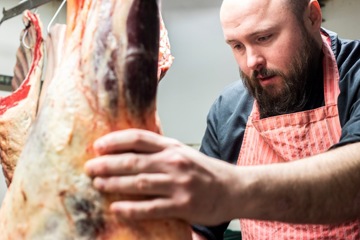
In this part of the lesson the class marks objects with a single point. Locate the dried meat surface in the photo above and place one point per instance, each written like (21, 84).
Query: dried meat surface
(18, 111)
(106, 81)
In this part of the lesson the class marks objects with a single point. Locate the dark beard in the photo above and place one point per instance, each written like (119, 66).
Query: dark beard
(297, 85)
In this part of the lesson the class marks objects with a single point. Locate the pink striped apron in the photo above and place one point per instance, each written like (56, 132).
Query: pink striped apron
(290, 137)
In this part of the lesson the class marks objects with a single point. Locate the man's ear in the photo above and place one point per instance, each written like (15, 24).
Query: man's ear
(314, 15)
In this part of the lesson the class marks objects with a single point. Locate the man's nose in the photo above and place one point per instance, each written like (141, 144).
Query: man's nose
(255, 60)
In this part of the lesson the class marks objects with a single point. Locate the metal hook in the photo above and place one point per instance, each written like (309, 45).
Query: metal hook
(23, 40)
(27, 31)
(55, 15)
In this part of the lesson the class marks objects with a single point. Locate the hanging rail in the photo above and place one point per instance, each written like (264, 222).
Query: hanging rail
(20, 8)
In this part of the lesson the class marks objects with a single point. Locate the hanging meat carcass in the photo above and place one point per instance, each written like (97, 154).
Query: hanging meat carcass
(18, 111)
(106, 81)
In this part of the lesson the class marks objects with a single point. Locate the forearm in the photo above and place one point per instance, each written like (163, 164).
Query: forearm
(321, 189)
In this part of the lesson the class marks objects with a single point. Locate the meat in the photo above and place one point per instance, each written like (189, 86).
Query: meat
(106, 81)
(54, 45)
(18, 111)
(165, 57)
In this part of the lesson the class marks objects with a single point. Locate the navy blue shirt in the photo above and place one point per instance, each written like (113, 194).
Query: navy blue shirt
(228, 115)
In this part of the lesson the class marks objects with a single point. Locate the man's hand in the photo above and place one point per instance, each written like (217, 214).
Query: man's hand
(171, 179)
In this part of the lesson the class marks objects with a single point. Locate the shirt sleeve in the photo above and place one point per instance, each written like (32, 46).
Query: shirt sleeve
(349, 99)
(226, 122)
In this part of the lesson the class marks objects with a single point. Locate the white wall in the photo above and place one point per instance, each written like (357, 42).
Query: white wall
(342, 16)
(203, 63)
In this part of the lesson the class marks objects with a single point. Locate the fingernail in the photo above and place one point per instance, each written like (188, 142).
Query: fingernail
(98, 145)
(87, 168)
(114, 207)
(99, 183)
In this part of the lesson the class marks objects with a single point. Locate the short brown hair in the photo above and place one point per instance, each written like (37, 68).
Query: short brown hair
(298, 7)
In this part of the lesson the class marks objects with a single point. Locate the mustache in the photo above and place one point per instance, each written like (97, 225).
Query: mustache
(264, 73)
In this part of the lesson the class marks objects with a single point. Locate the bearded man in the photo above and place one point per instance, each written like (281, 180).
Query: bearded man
(292, 126)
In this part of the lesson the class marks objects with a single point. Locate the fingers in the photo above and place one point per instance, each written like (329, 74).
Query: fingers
(124, 164)
(158, 208)
(116, 164)
(127, 152)
(132, 140)
(142, 184)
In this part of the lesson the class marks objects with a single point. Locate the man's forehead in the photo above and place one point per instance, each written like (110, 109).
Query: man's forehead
(248, 18)
(241, 10)
(247, 6)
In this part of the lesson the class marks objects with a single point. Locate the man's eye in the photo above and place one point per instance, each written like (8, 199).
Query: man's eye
(237, 46)
(264, 38)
